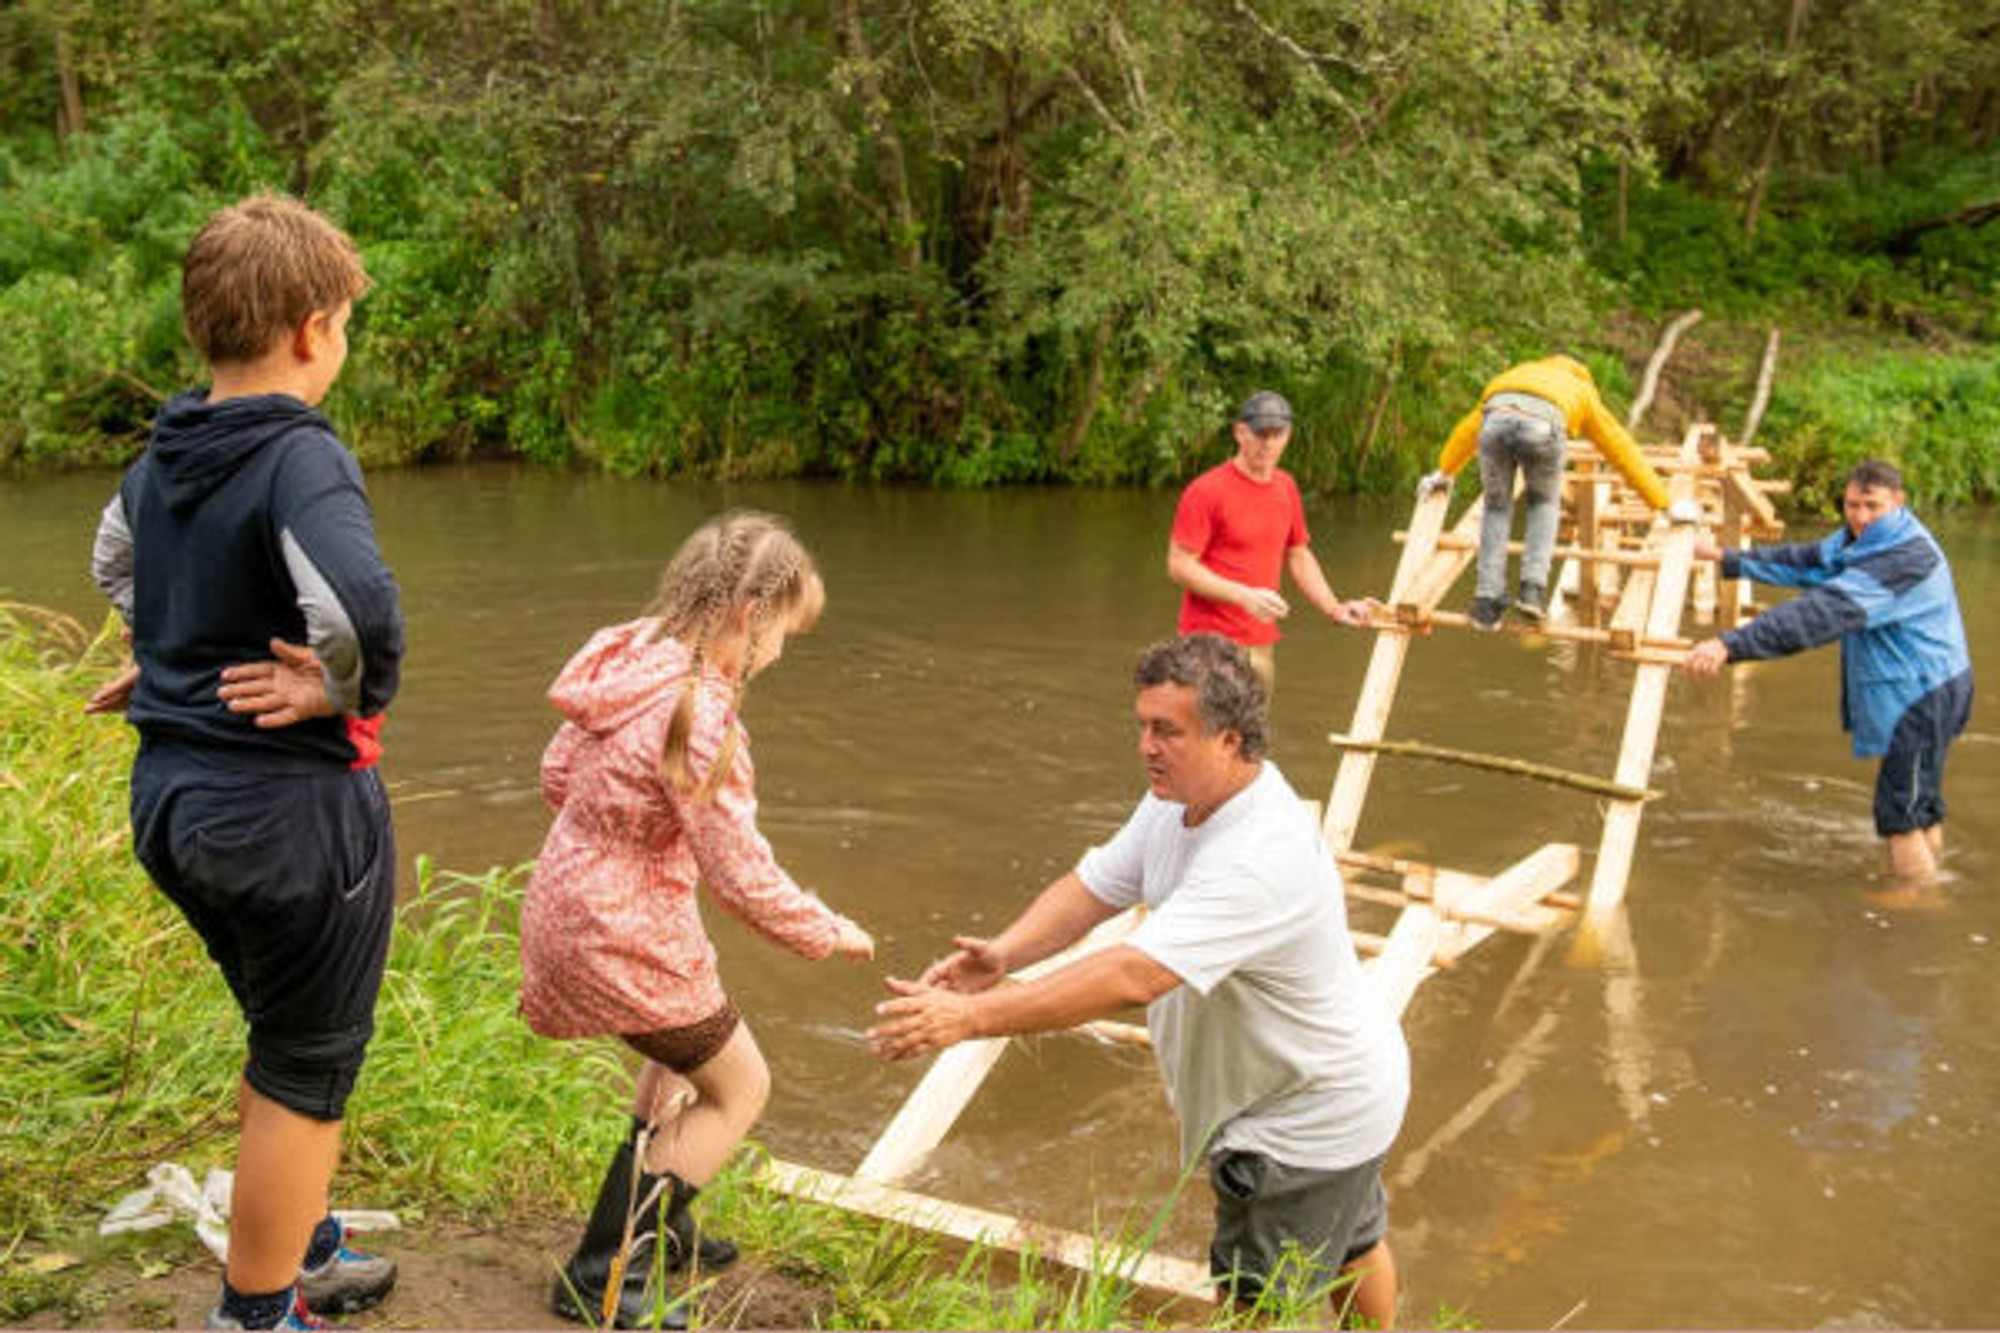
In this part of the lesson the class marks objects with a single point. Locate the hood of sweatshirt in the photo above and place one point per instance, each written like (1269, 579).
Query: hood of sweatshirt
(620, 674)
(198, 445)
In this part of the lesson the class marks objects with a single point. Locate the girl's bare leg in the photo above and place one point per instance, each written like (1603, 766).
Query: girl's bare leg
(729, 1094)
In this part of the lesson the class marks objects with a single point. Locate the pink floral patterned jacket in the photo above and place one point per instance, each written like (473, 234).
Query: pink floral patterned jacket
(611, 937)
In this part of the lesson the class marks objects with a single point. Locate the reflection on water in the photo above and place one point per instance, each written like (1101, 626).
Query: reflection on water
(1768, 1105)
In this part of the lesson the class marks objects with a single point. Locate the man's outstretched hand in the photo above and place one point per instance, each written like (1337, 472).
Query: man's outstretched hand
(286, 690)
(920, 1019)
(973, 965)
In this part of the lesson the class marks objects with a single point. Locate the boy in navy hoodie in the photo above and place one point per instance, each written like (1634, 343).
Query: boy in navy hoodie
(267, 641)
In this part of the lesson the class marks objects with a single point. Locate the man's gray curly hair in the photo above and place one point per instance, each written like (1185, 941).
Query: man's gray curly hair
(1228, 695)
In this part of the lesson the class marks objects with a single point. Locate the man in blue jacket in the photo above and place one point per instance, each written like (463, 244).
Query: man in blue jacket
(1882, 587)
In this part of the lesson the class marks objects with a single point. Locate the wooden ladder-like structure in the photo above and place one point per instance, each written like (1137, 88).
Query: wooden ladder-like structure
(1624, 566)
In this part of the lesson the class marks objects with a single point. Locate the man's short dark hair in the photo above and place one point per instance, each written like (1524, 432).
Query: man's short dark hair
(1227, 693)
(1875, 474)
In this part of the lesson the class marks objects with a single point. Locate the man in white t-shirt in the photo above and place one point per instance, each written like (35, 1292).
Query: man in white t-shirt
(1287, 1072)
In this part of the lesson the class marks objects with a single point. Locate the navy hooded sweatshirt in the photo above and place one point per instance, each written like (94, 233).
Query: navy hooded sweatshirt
(246, 521)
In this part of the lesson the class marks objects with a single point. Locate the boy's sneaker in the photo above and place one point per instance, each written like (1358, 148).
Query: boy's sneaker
(297, 1317)
(1485, 613)
(1533, 603)
(347, 1280)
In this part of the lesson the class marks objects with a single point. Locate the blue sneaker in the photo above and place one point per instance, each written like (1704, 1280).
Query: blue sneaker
(296, 1317)
(348, 1280)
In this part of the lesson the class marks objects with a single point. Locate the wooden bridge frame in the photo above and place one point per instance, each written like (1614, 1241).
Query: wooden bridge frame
(1625, 566)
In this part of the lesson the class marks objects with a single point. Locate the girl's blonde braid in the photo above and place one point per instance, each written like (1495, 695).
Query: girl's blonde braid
(730, 562)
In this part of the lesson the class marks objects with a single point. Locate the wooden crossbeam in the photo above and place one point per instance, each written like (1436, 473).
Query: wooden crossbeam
(1496, 763)
(1418, 876)
(1520, 886)
(980, 1226)
(1425, 936)
(1451, 541)
(1621, 637)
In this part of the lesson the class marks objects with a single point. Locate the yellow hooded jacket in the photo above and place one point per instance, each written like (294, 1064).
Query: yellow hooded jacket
(1565, 382)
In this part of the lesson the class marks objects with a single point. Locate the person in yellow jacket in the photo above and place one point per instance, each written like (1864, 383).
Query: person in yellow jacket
(1525, 419)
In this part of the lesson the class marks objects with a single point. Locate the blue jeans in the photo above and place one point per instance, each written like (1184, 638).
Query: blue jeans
(1510, 440)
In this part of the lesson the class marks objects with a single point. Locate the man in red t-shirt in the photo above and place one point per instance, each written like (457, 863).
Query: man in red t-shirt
(1238, 525)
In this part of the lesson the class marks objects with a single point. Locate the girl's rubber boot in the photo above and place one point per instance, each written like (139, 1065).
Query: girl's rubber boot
(579, 1290)
(687, 1238)
(712, 1253)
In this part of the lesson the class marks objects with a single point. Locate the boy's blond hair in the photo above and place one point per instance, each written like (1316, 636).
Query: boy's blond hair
(257, 270)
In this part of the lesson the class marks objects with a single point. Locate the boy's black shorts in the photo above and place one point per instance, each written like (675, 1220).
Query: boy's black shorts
(289, 878)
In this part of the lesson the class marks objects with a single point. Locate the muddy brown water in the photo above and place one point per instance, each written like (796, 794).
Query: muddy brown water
(1773, 1111)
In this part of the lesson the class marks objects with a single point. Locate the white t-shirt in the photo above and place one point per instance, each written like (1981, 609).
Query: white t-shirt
(1274, 1039)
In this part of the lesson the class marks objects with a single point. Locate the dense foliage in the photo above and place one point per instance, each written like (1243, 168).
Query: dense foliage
(977, 241)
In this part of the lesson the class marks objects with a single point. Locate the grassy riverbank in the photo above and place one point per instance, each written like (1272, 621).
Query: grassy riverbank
(118, 1047)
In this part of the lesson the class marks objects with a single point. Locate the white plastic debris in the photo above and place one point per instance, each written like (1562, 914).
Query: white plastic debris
(171, 1195)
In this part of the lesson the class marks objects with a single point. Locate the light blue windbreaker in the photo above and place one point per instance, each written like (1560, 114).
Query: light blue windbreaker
(1888, 598)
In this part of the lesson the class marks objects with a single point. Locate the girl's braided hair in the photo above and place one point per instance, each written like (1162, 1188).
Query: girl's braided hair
(737, 560)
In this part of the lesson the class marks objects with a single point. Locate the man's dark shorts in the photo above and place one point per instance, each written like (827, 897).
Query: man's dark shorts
(1909, 786)
(289, 879)
(1263, 1207)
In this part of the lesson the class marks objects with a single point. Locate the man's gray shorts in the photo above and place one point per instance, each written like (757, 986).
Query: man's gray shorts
(1263, 1206)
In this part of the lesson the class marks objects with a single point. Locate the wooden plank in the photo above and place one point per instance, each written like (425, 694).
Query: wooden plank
(1633, 602)
(1385, 668)
(1763, 515)
(1411, 955)
(1642, 716)
(1451, 541)
(1537, 921)
(1512, 891)
(980, 1226)
(1430, 583)
(1417, 877)
(1618, 636)
(941, 1095)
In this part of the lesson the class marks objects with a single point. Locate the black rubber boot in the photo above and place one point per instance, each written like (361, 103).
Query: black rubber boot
(713, 1253)
(579, 1288)
(716, 1253)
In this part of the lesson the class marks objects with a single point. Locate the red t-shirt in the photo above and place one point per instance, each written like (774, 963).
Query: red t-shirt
(1241, 529)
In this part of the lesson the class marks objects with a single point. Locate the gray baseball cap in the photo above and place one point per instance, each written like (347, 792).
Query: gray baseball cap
(1264, 410)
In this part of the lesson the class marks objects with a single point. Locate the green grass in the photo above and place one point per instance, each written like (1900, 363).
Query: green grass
(120, 1046)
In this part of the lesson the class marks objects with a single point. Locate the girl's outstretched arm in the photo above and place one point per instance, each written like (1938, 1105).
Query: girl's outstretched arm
(738, 866)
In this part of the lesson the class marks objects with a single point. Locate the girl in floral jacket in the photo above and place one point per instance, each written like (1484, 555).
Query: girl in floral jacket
(653, 790)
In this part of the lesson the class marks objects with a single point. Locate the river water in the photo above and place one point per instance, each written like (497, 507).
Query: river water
(1771, 1109)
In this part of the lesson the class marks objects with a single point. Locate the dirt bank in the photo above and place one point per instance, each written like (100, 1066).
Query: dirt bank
(451, 1277)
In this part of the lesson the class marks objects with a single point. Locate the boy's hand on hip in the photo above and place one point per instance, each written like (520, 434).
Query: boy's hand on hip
(278, 693)
(114, 694)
